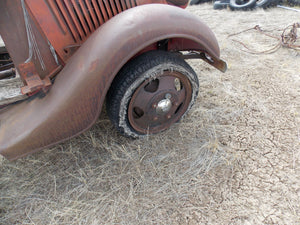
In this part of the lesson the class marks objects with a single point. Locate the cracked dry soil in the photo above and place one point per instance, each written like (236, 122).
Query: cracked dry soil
(234, 159)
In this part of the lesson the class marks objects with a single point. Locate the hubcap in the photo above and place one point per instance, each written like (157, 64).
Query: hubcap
(156, 104)
(164, 105)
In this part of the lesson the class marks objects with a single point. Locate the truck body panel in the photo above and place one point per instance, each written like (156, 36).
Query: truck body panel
(74, 101)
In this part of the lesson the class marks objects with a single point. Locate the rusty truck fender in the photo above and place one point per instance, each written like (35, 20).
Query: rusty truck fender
(74, 102)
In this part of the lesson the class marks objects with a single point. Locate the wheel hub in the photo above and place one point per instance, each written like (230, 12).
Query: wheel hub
(157, 104)
(164, 105)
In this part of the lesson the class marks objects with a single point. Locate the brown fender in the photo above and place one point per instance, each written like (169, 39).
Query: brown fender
(75, 100)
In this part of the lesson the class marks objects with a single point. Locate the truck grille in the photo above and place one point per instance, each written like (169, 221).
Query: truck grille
(82, 17)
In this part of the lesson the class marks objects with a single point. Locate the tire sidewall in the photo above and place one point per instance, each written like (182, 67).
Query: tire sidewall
(247, 6)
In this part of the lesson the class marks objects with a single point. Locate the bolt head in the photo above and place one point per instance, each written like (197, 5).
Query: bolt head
(168, 96)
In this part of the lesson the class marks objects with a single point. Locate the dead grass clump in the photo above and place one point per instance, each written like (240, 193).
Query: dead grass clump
(100, 178)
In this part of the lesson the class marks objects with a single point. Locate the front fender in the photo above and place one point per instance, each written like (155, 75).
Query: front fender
(75, 100)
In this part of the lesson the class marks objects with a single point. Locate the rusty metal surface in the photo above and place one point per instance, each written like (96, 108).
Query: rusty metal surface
(218, 63)
(33, 80)
(67, 25)
(14, 33)
(70, 22)
(144, 111)
(13, 30)
(75, 100)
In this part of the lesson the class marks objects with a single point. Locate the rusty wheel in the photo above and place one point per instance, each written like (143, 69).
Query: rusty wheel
(150, 93)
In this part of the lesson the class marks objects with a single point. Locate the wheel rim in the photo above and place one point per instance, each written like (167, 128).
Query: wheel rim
(158, 103)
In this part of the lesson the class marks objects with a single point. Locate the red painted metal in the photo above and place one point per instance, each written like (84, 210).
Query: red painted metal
(71, 22)
(66, 24)
(32, 79)
(13, 32)
(75, 100)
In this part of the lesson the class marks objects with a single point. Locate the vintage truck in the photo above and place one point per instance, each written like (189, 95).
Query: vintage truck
(61, 59)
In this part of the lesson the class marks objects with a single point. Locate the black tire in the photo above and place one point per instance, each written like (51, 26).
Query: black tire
(197, 2)
(294, 2)
(266, 3)
(242, 4)
(220, 5)
(137, 75)
(263, 3)
(194, 2)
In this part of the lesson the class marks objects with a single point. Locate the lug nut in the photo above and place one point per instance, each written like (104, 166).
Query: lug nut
(168, 96)
(168, 116)
(154, 105)
(155, 118)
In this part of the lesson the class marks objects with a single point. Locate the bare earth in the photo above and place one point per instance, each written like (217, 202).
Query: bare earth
(234, 159)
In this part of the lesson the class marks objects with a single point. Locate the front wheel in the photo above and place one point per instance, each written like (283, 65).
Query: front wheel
(150, 93)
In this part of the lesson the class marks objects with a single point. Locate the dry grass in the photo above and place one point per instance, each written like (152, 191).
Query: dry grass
(233, 160)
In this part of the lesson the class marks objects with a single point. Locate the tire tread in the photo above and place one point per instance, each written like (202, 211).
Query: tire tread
(130, 72)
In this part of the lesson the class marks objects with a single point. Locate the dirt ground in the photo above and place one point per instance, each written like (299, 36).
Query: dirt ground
(234, 159)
